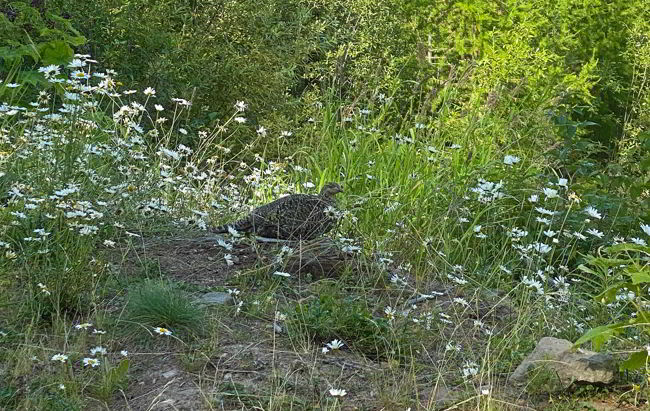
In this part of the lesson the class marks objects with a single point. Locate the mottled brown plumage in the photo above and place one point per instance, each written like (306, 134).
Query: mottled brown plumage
(294, 217)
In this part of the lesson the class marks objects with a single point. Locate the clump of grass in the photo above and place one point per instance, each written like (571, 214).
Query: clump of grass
(333, 316)
(8, 396)
(156, 303)
(112, 380)
(543, 380)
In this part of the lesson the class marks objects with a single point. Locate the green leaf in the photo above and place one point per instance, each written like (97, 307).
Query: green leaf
(117, 376)
(600, 335)
(13, 53)
(123, 368)
(586, 269)
(609, 294)
(608, 262)
(627, 247)
(32, 77)
(76, 40)
(635, 361)
(55, 52)
(639, 278)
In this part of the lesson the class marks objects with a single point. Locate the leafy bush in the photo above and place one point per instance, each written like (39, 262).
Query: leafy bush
(29, 36)
(627, 265)
(211, 53)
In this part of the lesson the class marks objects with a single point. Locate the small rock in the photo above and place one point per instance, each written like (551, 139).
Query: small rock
(170, 373)
(215, 298)
(558, 356)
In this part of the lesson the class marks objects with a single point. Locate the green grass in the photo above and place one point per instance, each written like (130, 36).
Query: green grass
(154, 304)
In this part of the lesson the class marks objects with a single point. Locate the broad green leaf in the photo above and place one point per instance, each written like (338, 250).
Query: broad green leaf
(639, 278)
(13, 53)
(609, 294)
(600, 335)
(55, 52)
(76, 40)
(123, 368)
(586, 269)
(117, 375)
(609, 262)
(32, 77)
(635, 361)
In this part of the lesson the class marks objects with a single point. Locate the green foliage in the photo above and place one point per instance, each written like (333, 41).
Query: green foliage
(474, 71)
(267, 53)
(510, 61)
(31, 36)
(585, 61)
(628, 265)
(576, 46)
(157, 303)
(8, 395)
(332, 315)
(37, 34)
(112, 379)
(409, 126)
(212, 53)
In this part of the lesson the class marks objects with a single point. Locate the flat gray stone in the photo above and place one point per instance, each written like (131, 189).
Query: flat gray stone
(170, 374)
(570, 366)
(215, 298)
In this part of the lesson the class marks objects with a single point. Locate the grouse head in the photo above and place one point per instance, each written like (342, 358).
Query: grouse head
(330, 190)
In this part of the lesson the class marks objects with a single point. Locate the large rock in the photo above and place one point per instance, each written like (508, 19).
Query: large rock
(569, 365)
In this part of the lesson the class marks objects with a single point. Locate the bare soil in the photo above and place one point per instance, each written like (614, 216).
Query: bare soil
(252, 364)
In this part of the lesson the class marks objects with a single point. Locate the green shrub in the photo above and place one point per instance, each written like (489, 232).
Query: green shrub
(31, 35)
(213, 54)
(156, 303)
(332, 316)
(626, 265)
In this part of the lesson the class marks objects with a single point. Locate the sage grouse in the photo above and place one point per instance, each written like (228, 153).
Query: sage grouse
(294, 217)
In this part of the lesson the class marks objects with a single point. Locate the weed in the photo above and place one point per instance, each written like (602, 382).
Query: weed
(155, 304)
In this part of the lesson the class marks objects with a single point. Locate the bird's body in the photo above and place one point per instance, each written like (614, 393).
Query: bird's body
(294, 217)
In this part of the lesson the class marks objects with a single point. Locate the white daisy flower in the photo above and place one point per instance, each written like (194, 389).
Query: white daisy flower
(510, 160)
(592, 212)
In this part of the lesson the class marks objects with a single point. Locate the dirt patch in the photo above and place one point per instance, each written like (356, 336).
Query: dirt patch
(205, 261)
(248, 369)
(195, 261)
(158, 382)
(250, 364)
(245, 375)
